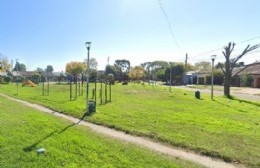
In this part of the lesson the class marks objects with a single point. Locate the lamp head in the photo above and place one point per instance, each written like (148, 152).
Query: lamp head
(88, 45)
(213, 57)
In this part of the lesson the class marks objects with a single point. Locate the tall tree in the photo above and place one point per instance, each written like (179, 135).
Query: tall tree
(75, 68)
(177, 71)
(39, 70)
(146, 66)
(203, 66)
(230, 63)
(19, 67)
(110, 69)
(5, 64)
(92, 64)
(123, 67)
(49, 69)
(136, 73)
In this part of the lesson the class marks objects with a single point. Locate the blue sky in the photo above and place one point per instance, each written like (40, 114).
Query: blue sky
(53, 32)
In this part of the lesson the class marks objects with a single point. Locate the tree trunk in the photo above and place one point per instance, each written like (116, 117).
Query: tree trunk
(227, 81)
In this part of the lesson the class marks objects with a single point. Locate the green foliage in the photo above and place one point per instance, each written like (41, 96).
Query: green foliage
(136, 73)
(5, 64)
(177, 73)
(24, 130)
(122, 68)
(75, 68)
(223, 128)
(246, 80)
(19, 67)
(218, 78)
(111, 70)
(35, 78)
(39, 71)
(7, 79)
(49, 69)
(161, 75)
(203, 66)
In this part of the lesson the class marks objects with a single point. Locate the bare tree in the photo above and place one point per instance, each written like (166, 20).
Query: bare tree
(231, 62)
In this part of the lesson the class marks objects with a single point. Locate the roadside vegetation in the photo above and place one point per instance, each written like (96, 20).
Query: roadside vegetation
(24, 130)
(223, 128)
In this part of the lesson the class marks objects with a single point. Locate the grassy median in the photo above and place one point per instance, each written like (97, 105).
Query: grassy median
(223, 128)
(24, 130)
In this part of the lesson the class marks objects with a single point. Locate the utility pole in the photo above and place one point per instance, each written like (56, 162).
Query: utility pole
(185, 71)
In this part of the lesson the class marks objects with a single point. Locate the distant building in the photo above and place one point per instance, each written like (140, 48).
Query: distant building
(191, 77)
(252, 70)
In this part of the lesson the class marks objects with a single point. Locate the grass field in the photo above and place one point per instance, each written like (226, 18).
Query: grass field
(224, 128)
(24, 130)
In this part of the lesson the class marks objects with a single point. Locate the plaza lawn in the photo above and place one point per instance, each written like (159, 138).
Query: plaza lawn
(24, 130)
(224, 128)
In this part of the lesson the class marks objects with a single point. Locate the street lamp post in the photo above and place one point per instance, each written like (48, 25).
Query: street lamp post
(213, 57)
(17, 77)
(88, 45)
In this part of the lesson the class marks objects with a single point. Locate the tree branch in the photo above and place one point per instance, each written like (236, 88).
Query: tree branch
(246, 50)
(244, 68)
(221, 67)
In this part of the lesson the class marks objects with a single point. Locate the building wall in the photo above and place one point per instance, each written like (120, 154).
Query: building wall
(256, 83)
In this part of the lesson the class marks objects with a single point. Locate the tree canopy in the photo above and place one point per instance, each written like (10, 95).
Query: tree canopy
(136, 73)
(49, 69)
(75, 68)
(19, 67)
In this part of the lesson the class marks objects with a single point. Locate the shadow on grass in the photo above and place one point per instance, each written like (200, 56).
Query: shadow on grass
(34, 145)
(243, 111)
(243, 101)
(248, 102)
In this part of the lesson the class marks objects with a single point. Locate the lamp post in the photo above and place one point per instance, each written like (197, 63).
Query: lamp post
(17, 77)
(213, 57)
(88, 45)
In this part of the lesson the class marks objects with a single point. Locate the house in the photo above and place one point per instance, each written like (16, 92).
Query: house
(252, 70)
(191, 77)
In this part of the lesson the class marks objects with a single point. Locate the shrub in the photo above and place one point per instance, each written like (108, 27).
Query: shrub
(246, 80)
(7, 79)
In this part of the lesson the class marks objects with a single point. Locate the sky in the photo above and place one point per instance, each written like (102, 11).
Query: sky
(53, 32)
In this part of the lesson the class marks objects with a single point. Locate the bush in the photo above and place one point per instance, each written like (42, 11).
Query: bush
(218, 78)
(246, 80)
(35, 78)
(7, 79)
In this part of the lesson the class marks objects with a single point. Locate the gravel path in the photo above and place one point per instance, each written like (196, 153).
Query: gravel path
(155, 146)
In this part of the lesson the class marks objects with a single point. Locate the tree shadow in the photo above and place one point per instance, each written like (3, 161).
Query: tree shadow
(53, 133)
(223, 104)
(246, 101)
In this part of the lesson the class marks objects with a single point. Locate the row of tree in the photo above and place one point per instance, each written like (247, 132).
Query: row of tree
(156, 70)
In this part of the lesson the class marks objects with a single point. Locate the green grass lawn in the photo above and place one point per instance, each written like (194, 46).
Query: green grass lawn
(224, 128)
(24, 130)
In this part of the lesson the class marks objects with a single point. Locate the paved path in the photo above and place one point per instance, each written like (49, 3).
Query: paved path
(143, 142)
(241, 93)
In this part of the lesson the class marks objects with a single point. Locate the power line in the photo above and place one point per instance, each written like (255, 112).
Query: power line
(169, 26)
(217, 49)
(249, 40)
